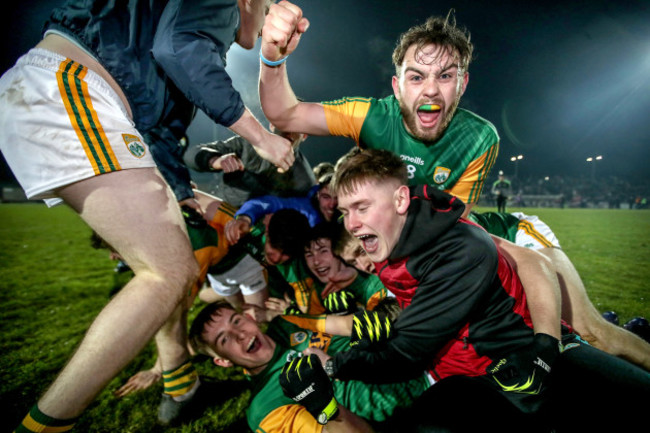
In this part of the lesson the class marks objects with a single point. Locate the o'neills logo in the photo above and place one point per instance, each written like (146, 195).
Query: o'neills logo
(305, 392)
(414, 159)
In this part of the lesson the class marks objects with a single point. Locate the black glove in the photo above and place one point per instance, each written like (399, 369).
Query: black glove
(370, 330)
(340, 303)
(524, 370)
(193, 218)
(304, 381)
(292, 310)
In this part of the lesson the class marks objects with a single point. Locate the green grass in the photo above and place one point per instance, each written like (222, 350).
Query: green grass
(52, 284)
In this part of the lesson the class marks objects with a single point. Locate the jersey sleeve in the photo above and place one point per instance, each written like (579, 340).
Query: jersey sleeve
(468, 188)
(345, 116)
(290, 418)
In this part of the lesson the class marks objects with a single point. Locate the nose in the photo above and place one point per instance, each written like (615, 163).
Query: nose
(351, 222)
(431, 87)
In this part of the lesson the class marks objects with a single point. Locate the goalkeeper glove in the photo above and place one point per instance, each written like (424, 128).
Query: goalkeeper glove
(340, 303)
(524, 370)
(370, 330)
(304, 381)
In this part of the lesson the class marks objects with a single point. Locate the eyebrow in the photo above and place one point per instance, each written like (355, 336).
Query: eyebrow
(419, 71)
(216, 339)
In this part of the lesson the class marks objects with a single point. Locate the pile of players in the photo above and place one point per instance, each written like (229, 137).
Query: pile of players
(461, 321)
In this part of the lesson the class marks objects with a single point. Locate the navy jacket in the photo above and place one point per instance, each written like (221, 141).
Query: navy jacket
(146, 45)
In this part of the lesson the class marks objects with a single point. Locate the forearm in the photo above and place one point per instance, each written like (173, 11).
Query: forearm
(347, 422)
(248, 127)
(540, 283)
(276, 96)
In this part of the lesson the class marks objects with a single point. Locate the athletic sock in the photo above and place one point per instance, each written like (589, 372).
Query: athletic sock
(181, 382)
(37, 422)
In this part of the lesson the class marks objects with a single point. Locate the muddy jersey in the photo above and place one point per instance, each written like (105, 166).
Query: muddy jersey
(457, 163)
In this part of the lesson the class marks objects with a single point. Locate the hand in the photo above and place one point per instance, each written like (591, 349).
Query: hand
(283, 27)
(322, 356)
(193, 218)
(236, 229)
(282, 306)
(304, 381)
(524, 370)
(276, 150)
(228, 163)
(340, 303)
(192, 203)
(370, 330)
(139, 381)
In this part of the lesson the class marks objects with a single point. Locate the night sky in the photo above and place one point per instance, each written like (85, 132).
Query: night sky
(561, 81)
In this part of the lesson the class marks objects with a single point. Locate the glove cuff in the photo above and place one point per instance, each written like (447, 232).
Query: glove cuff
(330, 412)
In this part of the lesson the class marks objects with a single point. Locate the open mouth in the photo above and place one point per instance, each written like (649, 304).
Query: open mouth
(322, 271)
(369, 242)
(429, 114)
(254, 345)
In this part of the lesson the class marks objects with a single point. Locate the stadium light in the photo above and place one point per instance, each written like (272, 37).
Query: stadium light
(516, 160)
(593, 166)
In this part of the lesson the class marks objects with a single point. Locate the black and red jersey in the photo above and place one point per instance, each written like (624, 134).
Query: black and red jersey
(463, 303)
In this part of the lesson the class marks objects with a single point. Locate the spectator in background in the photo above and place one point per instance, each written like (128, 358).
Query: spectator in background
(501, 190)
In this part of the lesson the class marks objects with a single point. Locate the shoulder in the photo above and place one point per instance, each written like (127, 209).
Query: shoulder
(467, 119)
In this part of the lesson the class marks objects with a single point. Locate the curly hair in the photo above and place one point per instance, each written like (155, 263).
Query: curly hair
(440, 31)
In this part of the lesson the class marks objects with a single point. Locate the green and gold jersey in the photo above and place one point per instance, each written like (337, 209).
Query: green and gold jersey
(271, 411)
(368, 289)
(458, 163)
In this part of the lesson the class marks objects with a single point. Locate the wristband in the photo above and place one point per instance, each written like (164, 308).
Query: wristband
(271, 63)
(330, 412)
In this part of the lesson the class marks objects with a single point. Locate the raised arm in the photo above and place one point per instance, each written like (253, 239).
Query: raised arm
(281, 34)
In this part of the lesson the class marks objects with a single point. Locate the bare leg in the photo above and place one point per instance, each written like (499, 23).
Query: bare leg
(580, 313)
(135, 212)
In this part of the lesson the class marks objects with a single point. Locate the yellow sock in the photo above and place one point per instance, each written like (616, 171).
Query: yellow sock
(37, 422)
(180, 380)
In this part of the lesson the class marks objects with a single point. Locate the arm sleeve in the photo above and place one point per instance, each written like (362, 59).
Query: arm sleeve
(190, 45)
(290, 418)
(257, 207)
(450, 290)
(198, 157)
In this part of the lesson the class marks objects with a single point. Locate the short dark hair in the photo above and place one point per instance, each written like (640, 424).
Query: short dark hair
(198, 324)
(371, 164)
(287, 231)
(440, 31)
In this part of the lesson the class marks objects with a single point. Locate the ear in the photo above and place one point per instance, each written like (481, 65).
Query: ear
(395, 84)
(222, 362)
(464, 84)
(402, 199)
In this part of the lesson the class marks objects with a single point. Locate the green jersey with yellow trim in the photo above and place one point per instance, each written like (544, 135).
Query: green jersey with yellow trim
(371, 401)
(458, 162)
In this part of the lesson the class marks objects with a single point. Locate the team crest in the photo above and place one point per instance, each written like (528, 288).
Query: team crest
(441, 174)
(134, 145)
(298, 337)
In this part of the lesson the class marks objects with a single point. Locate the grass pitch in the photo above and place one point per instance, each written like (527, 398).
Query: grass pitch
(52, 285)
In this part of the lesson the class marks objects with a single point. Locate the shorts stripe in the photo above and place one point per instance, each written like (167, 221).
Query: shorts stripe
(530, 231)
(83, 117)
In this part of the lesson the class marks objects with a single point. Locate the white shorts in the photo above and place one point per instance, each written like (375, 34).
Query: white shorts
(247, 277)
(534, 233)
(61, 123)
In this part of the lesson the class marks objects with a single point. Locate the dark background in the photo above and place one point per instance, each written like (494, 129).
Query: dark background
(561, 81)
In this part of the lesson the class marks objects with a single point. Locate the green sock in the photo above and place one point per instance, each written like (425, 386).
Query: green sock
(180, 380)
(37, 422)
